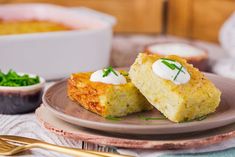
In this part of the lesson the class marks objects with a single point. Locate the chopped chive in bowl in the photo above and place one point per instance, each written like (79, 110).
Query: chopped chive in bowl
(13, 79)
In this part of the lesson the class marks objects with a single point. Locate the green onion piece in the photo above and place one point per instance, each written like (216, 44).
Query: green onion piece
(108, 70)
(151, 118)
(179, 68)
(105, 72)
(201, 118)
(196, 119)
(168, 59)
(109, 117)
(113, 71)
(169, 65)
(178, 72)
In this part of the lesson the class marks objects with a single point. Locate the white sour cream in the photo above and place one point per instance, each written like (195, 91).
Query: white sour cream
(175, 75)
(111, 78)
(179, 49)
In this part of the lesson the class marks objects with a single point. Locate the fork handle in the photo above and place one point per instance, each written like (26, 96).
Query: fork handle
(73, 151)
(65, 150)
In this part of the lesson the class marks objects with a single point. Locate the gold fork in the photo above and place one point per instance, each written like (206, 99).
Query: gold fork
(11, 149)
(7, 148)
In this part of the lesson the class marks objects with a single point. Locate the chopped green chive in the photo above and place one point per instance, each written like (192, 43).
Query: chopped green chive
(178, 72)
(113, 118)
(12, 79)
(108, 70)
(201, 118)
(168, 59)
(151, 118)
(172, 66)
(196, 119)
(169, 65)
(179, 69)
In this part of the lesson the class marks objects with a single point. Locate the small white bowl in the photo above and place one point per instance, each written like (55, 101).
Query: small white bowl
(18, 100)
(193, 54)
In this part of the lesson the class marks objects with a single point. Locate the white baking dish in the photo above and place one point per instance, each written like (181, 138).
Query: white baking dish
(55, 55)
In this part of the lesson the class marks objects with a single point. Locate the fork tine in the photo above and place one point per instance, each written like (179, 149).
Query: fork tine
(5, 145)
(2, 142)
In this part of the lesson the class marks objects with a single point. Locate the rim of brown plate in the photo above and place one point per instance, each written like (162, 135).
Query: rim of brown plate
(135, 143)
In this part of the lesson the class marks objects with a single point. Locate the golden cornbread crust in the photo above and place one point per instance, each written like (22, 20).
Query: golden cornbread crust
(30, 26)
(178, 103)
(80, 89)
(106, 99)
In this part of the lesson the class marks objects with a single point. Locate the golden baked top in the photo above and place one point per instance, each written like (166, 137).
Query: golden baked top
(32, 26)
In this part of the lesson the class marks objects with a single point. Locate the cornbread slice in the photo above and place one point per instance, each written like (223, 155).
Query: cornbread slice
(106, 99)
(179, 103)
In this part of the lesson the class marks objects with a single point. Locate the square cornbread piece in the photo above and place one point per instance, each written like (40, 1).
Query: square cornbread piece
(106, 99)
(183, 102)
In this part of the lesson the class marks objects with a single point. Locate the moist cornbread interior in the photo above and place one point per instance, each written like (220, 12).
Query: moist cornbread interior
(106, 99)
(178, 103)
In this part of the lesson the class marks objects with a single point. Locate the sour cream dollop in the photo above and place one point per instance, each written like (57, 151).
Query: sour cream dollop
(171, 70)
(111, 78)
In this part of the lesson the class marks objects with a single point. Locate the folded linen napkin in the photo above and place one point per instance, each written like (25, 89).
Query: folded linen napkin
(156, 153)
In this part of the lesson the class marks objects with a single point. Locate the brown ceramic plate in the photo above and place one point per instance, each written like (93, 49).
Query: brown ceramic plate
(56, 100)
(159, 142)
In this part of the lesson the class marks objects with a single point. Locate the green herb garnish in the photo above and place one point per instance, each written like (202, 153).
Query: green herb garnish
(196, 119)
(178, 72)
(168, 59)
(201, 118)
(108, 70)
(169, 65)
(151, 118)
(172, 66)
(12, 79)
(113, 118)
